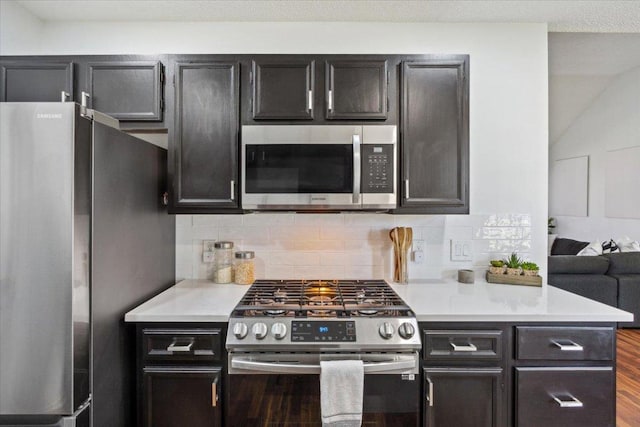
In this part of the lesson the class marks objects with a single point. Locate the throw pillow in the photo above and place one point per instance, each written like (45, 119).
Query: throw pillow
(563, 246)
(609, 247)
(592, 249)
(627, 245)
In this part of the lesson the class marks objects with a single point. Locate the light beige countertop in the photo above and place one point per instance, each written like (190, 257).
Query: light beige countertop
(431, 300)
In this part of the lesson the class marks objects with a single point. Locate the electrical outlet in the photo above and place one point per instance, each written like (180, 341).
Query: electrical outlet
(461, 250)
(418, 251)
(207, 251)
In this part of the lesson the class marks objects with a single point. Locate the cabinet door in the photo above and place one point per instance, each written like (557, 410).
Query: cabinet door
(204, 149)
(461, 397)
(127, 90)
(35, 81)
(282, 89)
(356, 89)
(435, 137)
(175, 396)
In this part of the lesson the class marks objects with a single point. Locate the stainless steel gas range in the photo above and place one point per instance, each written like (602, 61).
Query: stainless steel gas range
(281, 330)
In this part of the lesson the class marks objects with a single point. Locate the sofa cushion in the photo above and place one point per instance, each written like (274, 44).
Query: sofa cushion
(596, 287)
(623, 263)
(567, 246)
(571, 264)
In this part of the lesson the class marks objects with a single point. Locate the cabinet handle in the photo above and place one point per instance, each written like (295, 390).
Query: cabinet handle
(310, 100)
(567, 401)
(468, 347)
(64, 96)
(214, 393)
(567, 345)
(406, 189)
(233, 190)
(430, 393)
(330, 100)
(174, 347)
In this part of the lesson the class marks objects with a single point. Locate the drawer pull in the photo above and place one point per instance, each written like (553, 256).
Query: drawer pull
(175, 347)
(567, 401)
(567, 345)
(467, 347)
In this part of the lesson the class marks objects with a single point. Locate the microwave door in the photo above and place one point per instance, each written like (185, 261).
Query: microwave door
(301, 176)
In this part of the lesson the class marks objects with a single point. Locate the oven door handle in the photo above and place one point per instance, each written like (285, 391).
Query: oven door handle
(298, 368)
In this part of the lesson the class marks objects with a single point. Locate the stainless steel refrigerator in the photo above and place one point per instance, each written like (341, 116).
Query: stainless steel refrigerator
(84, 237)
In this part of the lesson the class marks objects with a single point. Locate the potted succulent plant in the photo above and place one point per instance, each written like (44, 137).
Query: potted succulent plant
(530, 268)
(497, 267)
(513, 264)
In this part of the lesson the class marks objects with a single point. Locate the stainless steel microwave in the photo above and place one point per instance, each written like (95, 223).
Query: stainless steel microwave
(342, 167)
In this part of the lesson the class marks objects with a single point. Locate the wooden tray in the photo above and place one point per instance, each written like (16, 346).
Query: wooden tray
(508, 279)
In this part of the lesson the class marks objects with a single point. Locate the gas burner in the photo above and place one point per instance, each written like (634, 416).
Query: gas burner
(321, 298)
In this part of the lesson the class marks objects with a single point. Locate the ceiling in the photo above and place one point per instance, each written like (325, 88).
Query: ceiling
(564, 16)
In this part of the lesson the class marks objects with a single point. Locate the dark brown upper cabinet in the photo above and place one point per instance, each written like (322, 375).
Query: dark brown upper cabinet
(203, 154)
(35, 81)
(127, 90)
(356, 90)
(434, 131)
(283, 89)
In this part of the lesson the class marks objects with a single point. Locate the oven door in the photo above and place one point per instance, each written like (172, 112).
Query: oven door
(301, 167)
(284, 389)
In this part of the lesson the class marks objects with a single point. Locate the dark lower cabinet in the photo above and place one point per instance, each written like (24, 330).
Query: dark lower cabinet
(181, 396)
(565, 396)
(180, 374)
(35, 81)
(203, 154)
(434, 133)
(522, 375)
(463, 397)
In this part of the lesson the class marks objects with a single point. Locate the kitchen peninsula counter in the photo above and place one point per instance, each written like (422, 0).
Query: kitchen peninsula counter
(431, 300)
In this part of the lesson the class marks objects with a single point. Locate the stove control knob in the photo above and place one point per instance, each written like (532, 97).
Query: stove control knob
(240, 330)
(279, 330)
(259, 330)
(386, 330)
(406, 330)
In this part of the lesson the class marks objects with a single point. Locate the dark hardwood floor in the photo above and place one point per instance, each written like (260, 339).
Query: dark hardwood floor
(628, 378)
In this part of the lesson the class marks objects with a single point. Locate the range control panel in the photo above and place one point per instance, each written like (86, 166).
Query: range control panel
(323, 331)
(377, 168)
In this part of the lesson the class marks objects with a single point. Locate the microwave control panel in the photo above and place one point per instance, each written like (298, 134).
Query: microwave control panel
(377, 168)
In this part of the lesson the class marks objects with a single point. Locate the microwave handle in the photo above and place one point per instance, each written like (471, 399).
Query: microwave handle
(357, 169)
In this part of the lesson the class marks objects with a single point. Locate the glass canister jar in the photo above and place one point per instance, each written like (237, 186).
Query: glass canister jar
(223, 262)
(244, 268)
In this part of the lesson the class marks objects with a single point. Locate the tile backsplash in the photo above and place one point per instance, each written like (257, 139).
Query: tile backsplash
(347, 246)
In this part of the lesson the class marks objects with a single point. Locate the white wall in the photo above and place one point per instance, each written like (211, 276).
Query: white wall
(611, 122)
(20, 30)
(508, 85)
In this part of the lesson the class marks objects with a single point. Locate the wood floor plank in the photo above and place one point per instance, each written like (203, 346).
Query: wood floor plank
(628, 378)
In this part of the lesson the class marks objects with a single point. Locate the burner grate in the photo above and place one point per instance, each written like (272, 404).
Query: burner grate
(321, 298)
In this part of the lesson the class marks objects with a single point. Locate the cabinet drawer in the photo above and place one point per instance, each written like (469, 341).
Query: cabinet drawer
(182, 344)
(565, 397)
(462, 345)
(561, 343)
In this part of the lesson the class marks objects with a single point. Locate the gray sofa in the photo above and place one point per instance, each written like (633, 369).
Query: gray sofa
(612, 279)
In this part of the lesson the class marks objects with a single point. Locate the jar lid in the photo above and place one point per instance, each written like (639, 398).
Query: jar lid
(223, 245)
(245, 254)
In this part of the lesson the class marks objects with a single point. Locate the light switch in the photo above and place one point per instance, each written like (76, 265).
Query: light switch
(461, 250)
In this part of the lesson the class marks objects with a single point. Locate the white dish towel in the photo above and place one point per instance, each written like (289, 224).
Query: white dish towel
(341, 390)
